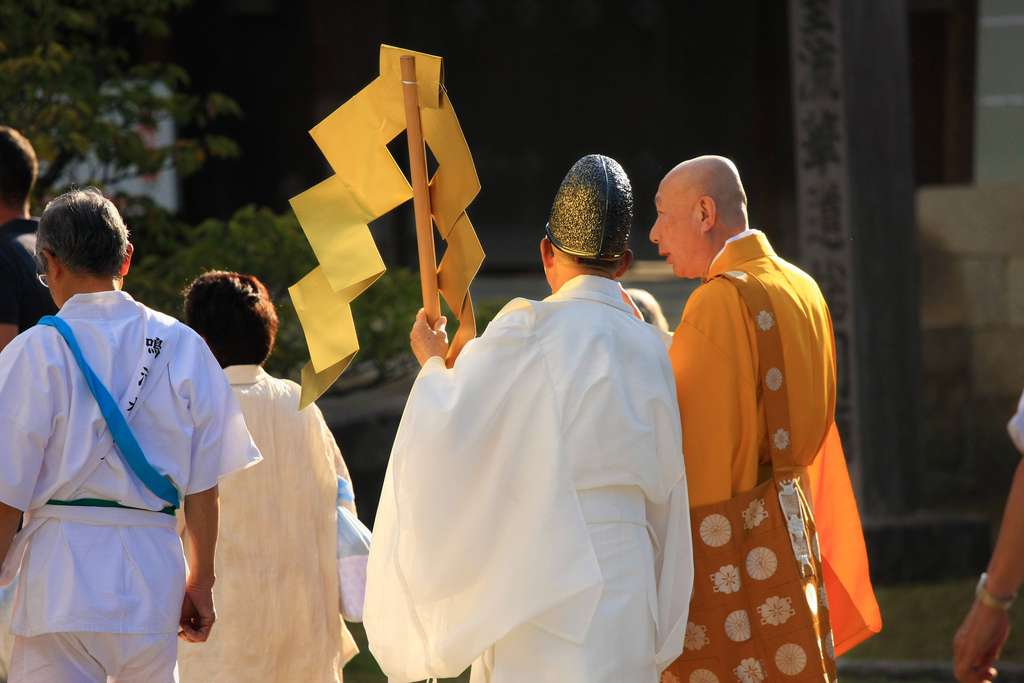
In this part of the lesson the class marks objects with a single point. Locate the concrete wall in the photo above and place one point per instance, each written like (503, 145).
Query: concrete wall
(972, 320)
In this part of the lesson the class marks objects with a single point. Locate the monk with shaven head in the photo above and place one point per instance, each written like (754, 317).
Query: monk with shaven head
(701, 206)
(755, 365)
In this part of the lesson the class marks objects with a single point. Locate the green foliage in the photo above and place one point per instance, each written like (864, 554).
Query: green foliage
(69, 81)
(383, 315)
(254, 240)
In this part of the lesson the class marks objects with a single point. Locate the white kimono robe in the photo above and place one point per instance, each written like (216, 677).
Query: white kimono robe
(278, 540)
(534, 518)
(108, 570)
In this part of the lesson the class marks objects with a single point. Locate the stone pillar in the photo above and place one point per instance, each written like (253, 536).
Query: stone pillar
(851, 116)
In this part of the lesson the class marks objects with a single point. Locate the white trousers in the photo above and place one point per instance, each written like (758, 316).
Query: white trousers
(619, 646)
(82, 657)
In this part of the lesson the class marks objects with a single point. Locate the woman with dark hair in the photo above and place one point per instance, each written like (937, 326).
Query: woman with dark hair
(278, 525)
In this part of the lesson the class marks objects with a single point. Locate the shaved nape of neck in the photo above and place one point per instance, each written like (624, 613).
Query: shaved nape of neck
(573, 266)
(733, 218)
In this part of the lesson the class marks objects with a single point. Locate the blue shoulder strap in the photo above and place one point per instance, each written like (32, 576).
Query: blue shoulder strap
(129, 448)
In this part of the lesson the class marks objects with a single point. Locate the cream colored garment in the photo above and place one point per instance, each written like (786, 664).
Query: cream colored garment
(480, 528)
(277, 579)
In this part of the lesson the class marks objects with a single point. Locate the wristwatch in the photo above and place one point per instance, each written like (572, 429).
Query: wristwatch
(989, 600)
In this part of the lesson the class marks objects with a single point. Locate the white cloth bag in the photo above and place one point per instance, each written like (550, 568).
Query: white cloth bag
(353, 552)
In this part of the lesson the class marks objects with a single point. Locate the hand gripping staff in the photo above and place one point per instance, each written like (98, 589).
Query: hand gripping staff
(367, 183)
(124, 439)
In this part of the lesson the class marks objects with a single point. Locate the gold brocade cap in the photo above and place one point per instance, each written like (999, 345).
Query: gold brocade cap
(593, 210)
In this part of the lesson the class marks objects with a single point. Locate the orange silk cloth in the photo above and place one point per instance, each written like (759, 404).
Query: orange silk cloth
(714, 358)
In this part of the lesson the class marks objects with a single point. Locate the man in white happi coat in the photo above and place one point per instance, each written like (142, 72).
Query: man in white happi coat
(103, 589)
(534, 521)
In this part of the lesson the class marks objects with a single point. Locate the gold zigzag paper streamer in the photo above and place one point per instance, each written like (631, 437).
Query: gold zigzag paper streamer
(367, 183)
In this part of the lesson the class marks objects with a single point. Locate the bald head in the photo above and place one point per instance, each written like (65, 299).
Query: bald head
(701, 203)
(715, 177)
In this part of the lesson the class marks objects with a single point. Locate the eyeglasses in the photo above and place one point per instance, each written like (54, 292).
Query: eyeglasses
(41, 269)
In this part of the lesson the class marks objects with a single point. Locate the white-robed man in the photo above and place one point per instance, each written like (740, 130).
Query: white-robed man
(108, 412)
(533, 521)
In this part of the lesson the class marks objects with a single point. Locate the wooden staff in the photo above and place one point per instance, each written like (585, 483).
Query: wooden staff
(420, 190)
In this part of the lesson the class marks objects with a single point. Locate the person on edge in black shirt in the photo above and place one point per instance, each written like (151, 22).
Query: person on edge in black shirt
(23, 297)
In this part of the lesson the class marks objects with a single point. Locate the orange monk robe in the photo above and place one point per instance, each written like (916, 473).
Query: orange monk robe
(714, 357)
